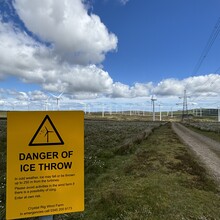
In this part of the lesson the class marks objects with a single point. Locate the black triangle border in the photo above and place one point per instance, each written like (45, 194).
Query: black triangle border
(54, 128)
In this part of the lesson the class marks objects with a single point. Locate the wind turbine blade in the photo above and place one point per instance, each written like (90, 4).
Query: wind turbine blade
(23, 93)
(53, 95)
(60, 95)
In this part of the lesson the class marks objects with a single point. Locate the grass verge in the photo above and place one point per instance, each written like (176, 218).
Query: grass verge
(211, 134)
(158, 180)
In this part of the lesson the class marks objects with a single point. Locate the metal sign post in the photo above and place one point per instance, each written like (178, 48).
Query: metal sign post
(49, 217)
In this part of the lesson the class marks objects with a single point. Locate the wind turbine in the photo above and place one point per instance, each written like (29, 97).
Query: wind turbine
(57, 98)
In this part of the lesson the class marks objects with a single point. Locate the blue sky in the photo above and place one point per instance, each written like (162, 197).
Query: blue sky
(108, 51)
(159, 39)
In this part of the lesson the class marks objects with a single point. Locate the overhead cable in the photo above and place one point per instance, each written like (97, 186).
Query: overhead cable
(208, 46)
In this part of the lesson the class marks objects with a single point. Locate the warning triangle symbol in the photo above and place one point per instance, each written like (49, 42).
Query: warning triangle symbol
(46, 134)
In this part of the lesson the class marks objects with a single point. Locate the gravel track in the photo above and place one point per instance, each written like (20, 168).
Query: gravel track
(203, 147)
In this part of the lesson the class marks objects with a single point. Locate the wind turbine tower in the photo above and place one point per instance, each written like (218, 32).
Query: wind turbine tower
(153, 99)
(218, 114)
(160, 112)
(103, 111)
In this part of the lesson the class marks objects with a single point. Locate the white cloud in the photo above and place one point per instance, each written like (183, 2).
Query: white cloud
(76, 36)
(124, 2)
(78, 42)
(207, 85)
(138, 90)
(21, 56)
(141, 89)
(169, 87)
(79, 79)
(120, 90)
(33, 63)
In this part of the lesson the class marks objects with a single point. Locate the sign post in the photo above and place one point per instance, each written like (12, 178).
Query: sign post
(49, 217)
(45, 164)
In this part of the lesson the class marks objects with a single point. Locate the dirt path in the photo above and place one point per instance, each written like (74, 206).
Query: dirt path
(204, 148)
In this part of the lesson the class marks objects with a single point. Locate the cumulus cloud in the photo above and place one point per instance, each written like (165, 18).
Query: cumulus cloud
(207, 85)
(169, 87)
(79, 79)
(77, 41)
(33, 63)
(19, 53)
(120, 90)
(76, 36)
(125, 91)
(141, 89)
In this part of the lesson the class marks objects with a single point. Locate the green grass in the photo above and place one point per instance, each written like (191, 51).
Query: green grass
(157, 180)
(129, 175)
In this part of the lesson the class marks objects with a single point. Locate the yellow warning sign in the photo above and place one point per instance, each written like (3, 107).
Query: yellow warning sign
(45, 163)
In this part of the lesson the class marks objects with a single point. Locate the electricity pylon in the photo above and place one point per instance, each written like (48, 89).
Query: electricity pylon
(185, 107)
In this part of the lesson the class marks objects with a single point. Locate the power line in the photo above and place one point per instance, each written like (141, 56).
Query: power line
(208, 46)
